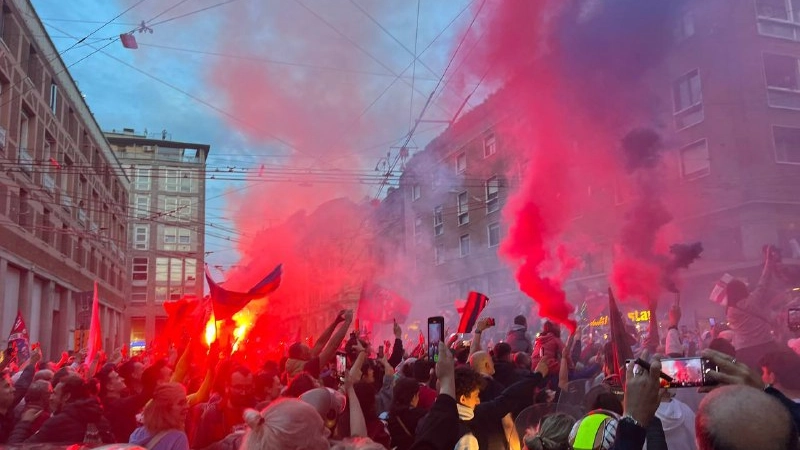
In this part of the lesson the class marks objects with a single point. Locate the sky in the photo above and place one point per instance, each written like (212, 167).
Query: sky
(319, 88)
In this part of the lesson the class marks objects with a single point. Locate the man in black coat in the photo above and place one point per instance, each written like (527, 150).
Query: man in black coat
(75, 411)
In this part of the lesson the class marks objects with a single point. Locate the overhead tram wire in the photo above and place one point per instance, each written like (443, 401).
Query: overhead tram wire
(430, 97)
(397, 77)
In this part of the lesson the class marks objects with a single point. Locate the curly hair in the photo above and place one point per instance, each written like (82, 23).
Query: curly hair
(287, 424)
(467, 381)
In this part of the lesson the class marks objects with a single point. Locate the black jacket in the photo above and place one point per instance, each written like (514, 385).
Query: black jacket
(487, 422)
(402, 424)
(121, 414)
(506, 373)
(439, 429)
(67, 426)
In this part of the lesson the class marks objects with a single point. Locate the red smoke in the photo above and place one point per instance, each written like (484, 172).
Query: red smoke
(572, 75)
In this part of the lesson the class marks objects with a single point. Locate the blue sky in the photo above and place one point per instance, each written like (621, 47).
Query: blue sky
(331, 66)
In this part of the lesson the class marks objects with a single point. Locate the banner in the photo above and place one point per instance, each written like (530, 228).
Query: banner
(719, 294)
(18, 340)
(472, 309)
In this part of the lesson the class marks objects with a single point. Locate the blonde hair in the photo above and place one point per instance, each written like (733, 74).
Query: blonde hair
(552, 433)
(287, 424)
(158, 414)
(357, 443)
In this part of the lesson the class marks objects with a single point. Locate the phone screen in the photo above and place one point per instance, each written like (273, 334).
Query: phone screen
(435, 334)
(341, 365)
(712, 322)
(688, 372)
(794, 319)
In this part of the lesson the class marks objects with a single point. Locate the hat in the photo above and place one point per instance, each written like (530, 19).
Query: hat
(595, 431)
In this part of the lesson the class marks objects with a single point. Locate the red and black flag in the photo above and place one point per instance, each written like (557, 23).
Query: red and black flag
(472, 309)
(621, 341)
(227, 303)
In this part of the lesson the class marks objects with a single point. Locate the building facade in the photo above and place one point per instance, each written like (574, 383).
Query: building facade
(167, 226)
(731, 80)
(63, 196)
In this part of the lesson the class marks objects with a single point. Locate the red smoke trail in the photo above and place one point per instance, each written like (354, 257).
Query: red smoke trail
(572, 75)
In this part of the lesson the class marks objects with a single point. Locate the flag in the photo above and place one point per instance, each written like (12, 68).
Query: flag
(95, 334)
(186, 318)
(621, 341)
(227, 303)
(18, 340)
(475, 304)
(378, 304)
(718, 294)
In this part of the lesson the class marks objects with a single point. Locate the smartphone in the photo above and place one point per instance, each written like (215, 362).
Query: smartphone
(380, 352)
(490, 321)
(341, 365)
(688, 372)
(794, 319)
(435, 335)
(712, 322)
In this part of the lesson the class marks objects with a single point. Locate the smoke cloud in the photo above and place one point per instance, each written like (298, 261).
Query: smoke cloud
(573, 76)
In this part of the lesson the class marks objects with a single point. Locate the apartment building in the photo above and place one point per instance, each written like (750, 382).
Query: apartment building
(167, 225)
(63, 196)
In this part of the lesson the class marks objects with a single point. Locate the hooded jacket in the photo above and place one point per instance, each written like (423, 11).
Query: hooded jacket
(547, 346)
(517, 338)
(69, 425)
(677, 419)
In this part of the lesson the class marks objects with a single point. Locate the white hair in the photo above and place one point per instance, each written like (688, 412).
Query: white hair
(287, 424)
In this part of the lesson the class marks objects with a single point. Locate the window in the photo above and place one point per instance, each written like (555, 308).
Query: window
(779, 18)
(695, 160)
(54, 97)
(438, 254)
(415, 192)
(171, 180)
(141, 236)
(184, 236)
(170, 208)
(461, 162)
(787, 144)
(493, 231)
(25, 159)
(190, 270)
(185, 211)
(684, 28)
(170, 235)
(463, 245)
(783, 81)
(463, 208)
(687, 96)
(139, 269)
(142, 206)
(185, 181)
(492, 195)
(489, 146)
(139, 294)
(142, 180)
(418, 226)
(162, 269)
(438, 221)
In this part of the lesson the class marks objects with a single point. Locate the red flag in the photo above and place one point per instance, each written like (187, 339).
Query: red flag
(227, 303)
(95, 343)
(186, 318)
(475, 304)
(18, 340)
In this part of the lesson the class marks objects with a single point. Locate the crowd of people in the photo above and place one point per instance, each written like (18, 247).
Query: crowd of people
(526, 392)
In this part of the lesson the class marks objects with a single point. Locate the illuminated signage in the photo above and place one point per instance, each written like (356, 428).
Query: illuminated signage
(639, 316)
